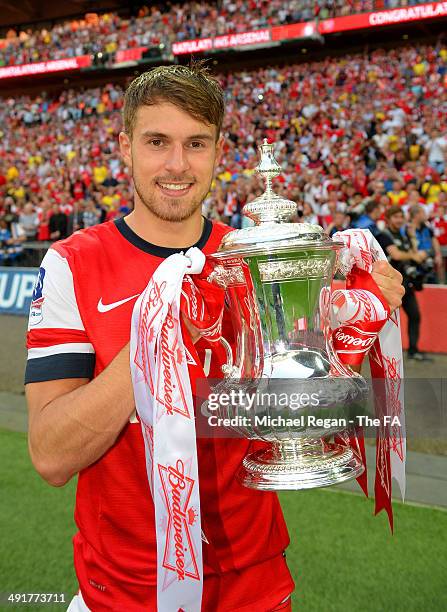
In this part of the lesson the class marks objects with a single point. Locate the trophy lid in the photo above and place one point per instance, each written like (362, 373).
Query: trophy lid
(270, 212)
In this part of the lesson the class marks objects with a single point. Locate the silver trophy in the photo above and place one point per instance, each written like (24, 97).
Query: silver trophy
(277, 276)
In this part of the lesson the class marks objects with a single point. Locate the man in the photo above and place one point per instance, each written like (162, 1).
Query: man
(377, 190)
(432, 185)
(12, 237)
(339, 223)
(90, 214)
(368, 220)
(74, 219)
(397, 195)
(380, 138)
(436, 147)
(79, 390)
(440, 231)
(403, 254)
(29, 221)
(426, 241)
(330, 208)
(58, 223)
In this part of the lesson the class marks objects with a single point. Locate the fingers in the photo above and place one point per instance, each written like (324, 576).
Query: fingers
(383, 267)
(389, 282)
(392, 291)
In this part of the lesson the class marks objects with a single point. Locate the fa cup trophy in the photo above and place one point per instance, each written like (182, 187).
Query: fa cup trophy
(277, 276)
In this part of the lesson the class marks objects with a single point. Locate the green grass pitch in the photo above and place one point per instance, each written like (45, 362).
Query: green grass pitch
(342, 558)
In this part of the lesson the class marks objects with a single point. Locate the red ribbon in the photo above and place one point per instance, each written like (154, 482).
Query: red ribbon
(348, 352)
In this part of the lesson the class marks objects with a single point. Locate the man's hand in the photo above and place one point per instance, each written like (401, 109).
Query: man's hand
(411, 229)
(389, 282)
(420, 256)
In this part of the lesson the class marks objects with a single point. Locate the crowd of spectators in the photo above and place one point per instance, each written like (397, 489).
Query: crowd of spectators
(353, 136)
(169, 22)
(60, 168)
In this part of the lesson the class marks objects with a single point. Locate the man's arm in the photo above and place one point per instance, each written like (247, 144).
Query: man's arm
(73, 422)
(437, 251)
(397, 255)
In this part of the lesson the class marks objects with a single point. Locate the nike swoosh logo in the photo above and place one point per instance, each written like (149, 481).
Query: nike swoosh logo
(106, 307)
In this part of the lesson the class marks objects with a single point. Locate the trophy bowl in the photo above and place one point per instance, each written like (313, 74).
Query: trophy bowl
(277, 278)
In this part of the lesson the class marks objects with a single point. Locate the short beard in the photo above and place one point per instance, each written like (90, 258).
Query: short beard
(172, 211)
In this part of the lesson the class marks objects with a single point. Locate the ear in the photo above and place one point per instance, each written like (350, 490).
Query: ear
(126, 149)
(219, 150)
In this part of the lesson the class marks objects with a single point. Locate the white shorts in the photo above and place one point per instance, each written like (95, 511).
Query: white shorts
(78, 604)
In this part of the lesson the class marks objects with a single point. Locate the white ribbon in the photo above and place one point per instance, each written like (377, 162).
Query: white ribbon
(164, 405)
(362, 250)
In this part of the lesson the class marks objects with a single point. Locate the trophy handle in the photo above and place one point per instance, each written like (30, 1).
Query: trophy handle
(229, 370)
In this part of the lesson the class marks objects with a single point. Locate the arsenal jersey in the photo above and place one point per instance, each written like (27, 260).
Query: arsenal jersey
(79, 321)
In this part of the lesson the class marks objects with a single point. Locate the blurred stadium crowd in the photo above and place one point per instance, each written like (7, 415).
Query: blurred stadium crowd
(350, 133)
(169, 22)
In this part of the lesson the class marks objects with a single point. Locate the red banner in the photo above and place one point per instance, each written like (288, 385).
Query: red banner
(222, 42)
(192, 46)
(381, 18)
(307, 29)
(72, 63)
(257, 37)
(245, 38)
(294, 30)
(129, 55)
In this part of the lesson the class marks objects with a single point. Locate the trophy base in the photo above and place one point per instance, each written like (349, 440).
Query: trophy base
(298, 464)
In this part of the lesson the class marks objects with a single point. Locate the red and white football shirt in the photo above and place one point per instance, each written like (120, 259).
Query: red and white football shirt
(79, 321)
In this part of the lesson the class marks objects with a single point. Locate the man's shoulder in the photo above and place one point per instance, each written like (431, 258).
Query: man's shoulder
(385, 238)
(427, 230)
(363, 222)
(218, 231)
(221, 228)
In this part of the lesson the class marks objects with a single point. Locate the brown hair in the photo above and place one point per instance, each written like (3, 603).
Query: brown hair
(371, 206)
(190, 88)
(393, 210)
(414, 211)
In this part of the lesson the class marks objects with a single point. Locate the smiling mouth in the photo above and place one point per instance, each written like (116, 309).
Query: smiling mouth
(174, 189)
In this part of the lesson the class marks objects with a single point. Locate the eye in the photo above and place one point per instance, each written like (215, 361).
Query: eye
(196, 144)
(156, 142)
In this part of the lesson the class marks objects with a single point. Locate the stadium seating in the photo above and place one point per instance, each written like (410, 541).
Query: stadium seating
(109, 33)
(354, 125)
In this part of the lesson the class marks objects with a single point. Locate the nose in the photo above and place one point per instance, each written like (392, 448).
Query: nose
(177, 159)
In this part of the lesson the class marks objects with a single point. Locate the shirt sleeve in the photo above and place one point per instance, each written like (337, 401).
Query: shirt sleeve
(384, 240)
(58, 345)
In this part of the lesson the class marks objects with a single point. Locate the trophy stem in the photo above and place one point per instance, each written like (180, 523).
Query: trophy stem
(301, 463)
(293, 450)
(268, 186)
